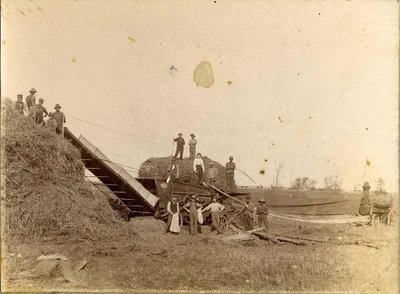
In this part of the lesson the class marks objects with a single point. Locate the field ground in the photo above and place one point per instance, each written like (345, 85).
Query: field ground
(158, 261)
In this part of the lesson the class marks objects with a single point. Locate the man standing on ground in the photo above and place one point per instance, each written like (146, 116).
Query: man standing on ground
(60, 119)
(31, 103)
(230, 175)
(40, 110)
(173, 216)
(193, 206)
(198, 168)
(180, 142)
(192, 147)
(215, 209)
(249, 214)
(262, 213)
(212, 174)
(20, 105)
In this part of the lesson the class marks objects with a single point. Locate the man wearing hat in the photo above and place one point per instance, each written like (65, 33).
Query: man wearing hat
(212, 174)
(31, 102)
(193, 205)
(180, 142)
(192, 147)
(249, 214)
(198, 167)
(60, 119)
(41, 112)
(173, 216)
(230, 167)
(262, 213)
(20, 105)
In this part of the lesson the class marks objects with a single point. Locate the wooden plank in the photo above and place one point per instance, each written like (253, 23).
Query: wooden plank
(266, 236)
(45, 267)
(234, 228)
(67, 272)
(80, 265)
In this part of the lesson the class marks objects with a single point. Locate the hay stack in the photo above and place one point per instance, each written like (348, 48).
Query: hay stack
(45, 192)
(157, 167)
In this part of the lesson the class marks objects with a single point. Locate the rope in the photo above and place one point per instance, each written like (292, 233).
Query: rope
(116, 131)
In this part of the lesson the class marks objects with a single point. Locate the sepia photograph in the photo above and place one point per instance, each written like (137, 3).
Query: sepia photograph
(213, 146)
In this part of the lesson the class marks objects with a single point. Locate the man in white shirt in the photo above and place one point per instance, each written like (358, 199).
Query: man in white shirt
(215, 209)
(198, 167)
(192, 146)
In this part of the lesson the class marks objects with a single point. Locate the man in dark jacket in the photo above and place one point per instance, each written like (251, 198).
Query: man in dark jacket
(180, 142)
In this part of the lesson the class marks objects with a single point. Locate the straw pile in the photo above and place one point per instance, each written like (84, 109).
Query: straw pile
(45, 193)
(157, 167)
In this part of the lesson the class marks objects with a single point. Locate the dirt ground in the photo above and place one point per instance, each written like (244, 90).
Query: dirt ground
(158, 261)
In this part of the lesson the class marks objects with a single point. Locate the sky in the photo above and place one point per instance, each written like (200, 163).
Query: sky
(311, 84)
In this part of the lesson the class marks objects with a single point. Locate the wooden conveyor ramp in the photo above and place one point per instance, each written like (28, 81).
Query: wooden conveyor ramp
(136, 197)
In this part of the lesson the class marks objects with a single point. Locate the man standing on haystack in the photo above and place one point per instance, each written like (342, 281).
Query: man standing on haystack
(249, 215)
(212, 174)
(192, 147)
(173, 171)
(173, 216)
(60, 119)
(198, 168)
(230, 175)
(41, 113)
(31, 103)
(180, 143)
(20, 105)
(51, 123)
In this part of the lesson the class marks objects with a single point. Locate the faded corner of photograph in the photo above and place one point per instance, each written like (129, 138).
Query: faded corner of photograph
(200, 146)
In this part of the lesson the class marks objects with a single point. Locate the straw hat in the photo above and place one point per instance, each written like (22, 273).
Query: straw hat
(262, 200)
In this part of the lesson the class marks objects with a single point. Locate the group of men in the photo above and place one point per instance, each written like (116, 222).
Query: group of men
(37, 112)
(251, 214)
(195, 210)
(198, 164)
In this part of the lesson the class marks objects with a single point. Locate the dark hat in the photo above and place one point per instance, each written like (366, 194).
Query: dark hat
(19, 96)
(41, 100)
(199, 153)
(50, 114)
(192, 135)
(248, 197)
(212, 163)
(230, 157)
(262, 200)
(179, 134)
(57, 106)
(33, 90)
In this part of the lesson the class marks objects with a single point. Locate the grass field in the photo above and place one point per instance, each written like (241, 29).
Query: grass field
(158, 261)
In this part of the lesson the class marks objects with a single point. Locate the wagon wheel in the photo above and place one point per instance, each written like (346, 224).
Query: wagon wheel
(374, 220)
(223, 223)
(390, 216)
